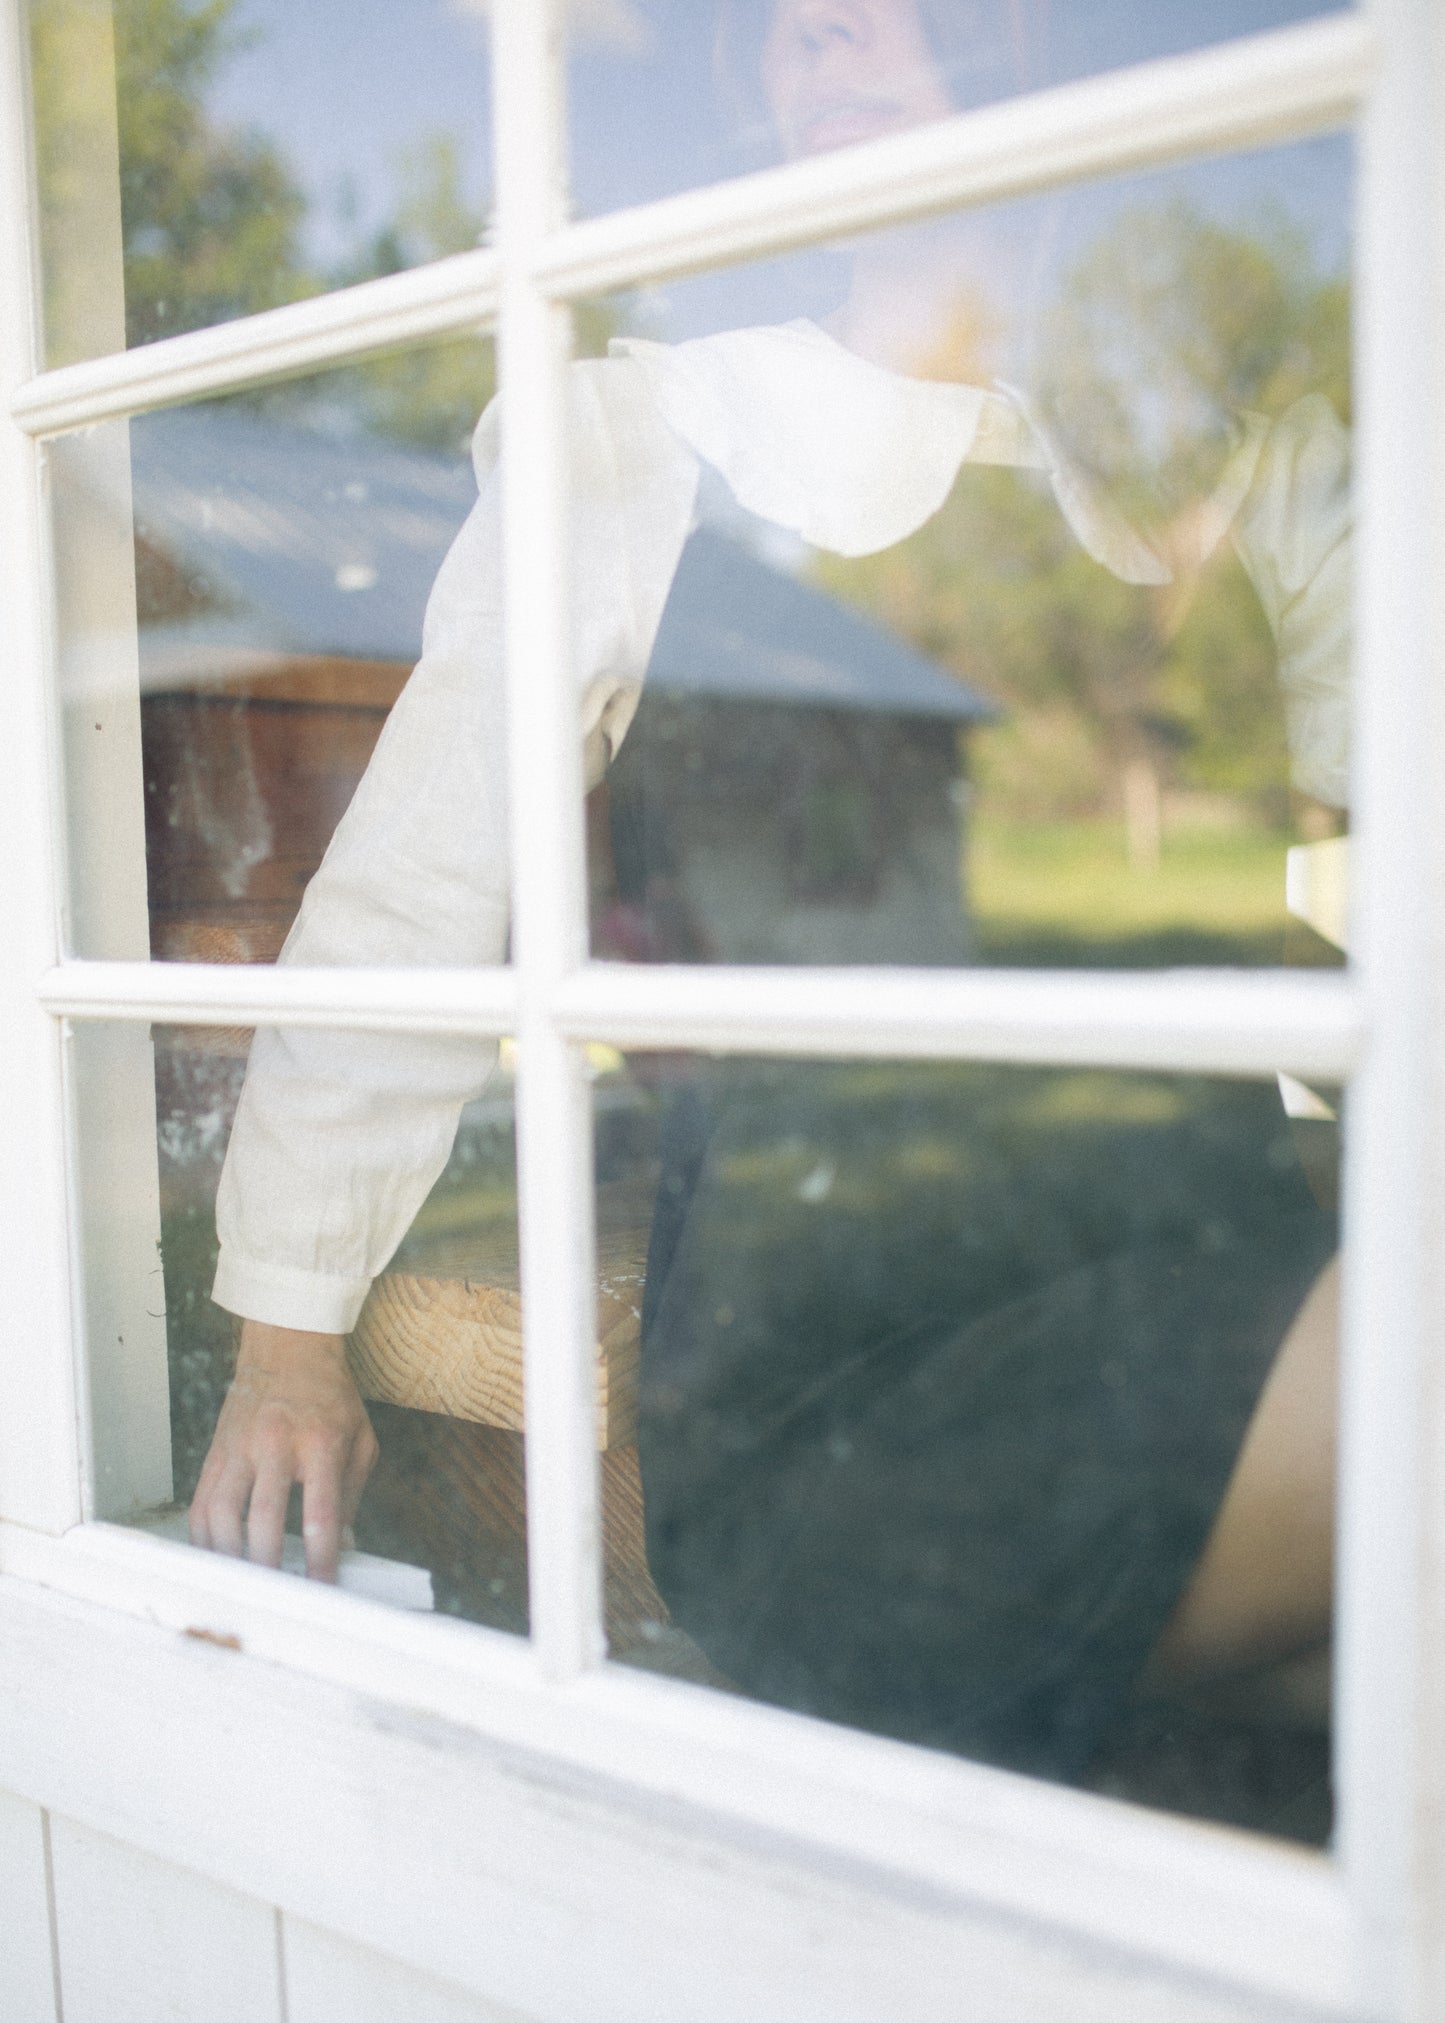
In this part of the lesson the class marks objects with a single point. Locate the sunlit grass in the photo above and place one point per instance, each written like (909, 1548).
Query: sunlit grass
(1074, 879)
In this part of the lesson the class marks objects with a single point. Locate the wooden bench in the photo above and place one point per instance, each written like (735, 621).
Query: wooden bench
(445, 1334)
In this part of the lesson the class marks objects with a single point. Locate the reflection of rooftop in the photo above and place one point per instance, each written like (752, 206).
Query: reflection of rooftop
(263, 539)
(736, 627)
(294, 542)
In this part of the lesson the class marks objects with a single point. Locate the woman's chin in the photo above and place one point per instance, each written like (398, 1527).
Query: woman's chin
(847, 127)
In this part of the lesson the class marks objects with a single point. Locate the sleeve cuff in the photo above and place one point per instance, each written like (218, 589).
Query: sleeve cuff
(285, 1298)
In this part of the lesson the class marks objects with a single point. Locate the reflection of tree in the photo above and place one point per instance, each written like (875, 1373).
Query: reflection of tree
(1168, 331)
(210, 216)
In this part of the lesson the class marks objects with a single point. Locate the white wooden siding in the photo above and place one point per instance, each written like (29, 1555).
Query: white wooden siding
(330, 1980)
(569, 1896)
(142, 1940)
(27, 1962)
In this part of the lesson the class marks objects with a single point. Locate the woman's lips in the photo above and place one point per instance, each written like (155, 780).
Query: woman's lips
(837, 122)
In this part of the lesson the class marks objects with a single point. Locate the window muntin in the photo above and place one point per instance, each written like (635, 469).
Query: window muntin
(667, 77)
(197, 165)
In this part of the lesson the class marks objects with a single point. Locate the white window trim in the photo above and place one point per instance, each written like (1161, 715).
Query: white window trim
(1359, 1933)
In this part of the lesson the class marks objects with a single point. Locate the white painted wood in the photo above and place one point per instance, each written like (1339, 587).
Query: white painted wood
(1247, 93)
(549, 879)
(1241, 94)
(1217, 1021)
(141, 1940)
(1208, 1020)
(39, 1449)
(480, 1001)
(112, 1069)
(565, 1894)
(1008, 1846)
(1390, 1640)
(27, 1961)
(439, 300)
(330, 1980)
(126, 1385)
(649, 1849)
(104, 905)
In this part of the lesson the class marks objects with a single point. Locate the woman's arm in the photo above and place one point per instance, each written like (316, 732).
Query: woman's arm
(339, 1136)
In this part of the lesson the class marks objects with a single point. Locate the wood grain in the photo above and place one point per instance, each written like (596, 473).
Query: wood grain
(449, 1346)
(447, 1338)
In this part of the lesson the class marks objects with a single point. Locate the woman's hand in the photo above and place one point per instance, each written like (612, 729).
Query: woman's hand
(292, 1414)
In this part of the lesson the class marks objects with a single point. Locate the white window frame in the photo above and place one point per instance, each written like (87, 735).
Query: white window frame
(670, 1851)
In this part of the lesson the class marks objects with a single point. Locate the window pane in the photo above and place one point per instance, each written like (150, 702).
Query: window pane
(199, 162)
(435, 1349)
(988, 1408)
(665, 97)
(994, 584)
(242, 586)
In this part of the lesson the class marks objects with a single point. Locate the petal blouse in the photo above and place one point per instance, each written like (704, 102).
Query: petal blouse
(339, 1136)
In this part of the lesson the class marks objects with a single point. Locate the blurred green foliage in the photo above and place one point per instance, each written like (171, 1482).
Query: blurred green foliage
(212, 217)
(1169, 331)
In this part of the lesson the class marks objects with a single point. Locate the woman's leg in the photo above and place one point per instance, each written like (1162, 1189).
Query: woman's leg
(1262, 1589)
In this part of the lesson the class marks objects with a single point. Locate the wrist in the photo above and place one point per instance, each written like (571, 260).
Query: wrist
(265, 1347)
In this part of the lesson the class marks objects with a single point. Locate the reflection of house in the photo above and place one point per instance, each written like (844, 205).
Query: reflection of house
(793, 788)
(281, 577)
(795, 778)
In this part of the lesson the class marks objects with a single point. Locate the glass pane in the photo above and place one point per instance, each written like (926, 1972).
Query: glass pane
(198, 162)
(991, 582)
(435, 1349)
(989, 1408)
(241, 588)
(666, 95)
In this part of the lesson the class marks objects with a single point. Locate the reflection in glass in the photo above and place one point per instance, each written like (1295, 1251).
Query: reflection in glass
(946, 1373)
(666, 96)
(242, 587)
(435, 1349)
(999, 576)
(977, 592)
(198, 162)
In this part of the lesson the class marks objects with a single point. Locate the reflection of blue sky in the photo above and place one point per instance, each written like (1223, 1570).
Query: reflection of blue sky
(346, 87)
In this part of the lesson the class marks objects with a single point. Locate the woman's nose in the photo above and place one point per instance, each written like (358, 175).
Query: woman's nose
(820, 22)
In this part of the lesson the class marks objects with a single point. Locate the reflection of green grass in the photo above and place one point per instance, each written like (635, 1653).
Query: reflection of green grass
(1065, 892)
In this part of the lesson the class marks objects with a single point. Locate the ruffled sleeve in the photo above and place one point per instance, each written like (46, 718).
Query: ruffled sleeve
(339, 1136)
(1292, 534)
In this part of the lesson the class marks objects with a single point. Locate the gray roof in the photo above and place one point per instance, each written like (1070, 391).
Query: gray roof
(735, 627)
(297, 541)
(300, 542)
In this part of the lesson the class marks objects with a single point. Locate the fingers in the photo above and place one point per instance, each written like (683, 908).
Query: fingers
(217, 1515)
(321, 1512)
(266, 1519)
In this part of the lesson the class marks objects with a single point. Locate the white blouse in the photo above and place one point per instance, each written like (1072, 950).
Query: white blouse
(339, 1136)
